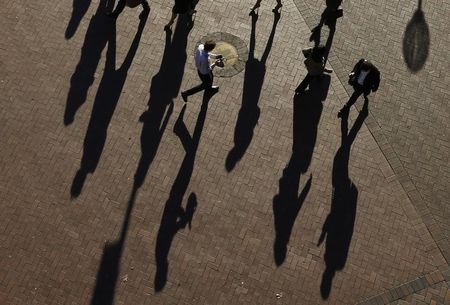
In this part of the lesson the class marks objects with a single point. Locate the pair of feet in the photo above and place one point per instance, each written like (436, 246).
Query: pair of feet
(213, 90)
(145, 11)
(257, 5)
(344, 111)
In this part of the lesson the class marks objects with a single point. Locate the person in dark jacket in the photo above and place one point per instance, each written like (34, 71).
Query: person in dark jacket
(364, 78)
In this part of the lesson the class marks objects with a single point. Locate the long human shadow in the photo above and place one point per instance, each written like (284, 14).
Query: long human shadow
(160, 101)
(164, 88)
(329, 18)
(105, 103)
(287, 203)
(95, 41)
(248, 116)
(107, 97)
(338, 227)
(416, 41)
(80, 8)
(175, 217)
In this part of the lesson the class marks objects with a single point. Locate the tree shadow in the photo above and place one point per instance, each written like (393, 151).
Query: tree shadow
(165, 86)
(416, 41)
(174, 217)
(96, 38)
(287, 203)
(80, 8)
(105, 103)
(338, 227)
(255, 71)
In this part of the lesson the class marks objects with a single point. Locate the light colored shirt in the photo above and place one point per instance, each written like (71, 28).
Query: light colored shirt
(202, 60)
(362, 76)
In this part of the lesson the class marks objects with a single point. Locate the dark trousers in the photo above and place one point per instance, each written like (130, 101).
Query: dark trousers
(207, 82)
(356, 94)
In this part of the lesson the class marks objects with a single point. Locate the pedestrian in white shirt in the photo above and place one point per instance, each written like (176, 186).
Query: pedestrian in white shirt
(203, 57)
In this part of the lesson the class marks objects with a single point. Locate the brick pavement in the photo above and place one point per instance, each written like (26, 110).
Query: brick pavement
(412, 118)
(99, 248)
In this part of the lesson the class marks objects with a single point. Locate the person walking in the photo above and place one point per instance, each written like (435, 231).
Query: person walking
(258, 4)
(131, 3)
(203, 56)
(315, 64)
(364, 78)
(180, 7)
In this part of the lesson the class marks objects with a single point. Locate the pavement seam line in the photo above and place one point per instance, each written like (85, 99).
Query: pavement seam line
(435, 234)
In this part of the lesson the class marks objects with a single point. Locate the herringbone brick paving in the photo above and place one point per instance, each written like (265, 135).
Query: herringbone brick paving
(52, 247)
(412, 109)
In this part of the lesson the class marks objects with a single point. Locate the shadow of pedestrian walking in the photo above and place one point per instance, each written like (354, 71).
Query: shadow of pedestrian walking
(338, 227)
(165, 86)
(287, 203)
(97, 36)
(174, 217)
(329, 17)
(105, 103)
(416, 41)
(255, 71)
(80, 8)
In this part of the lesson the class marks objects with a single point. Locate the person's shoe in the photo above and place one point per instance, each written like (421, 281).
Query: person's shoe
(213, 90)
(184, 97)
(167, 28)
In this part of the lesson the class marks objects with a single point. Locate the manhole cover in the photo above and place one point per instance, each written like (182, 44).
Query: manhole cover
(233, 49)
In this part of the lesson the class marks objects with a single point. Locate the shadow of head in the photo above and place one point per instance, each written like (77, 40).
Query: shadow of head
(416, 41)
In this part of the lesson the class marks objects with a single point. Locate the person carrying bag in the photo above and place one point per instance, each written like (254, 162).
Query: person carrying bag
(315, 64)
